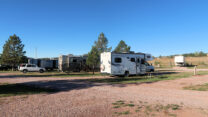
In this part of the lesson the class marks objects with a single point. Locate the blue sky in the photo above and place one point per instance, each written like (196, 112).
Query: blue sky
(55, 27)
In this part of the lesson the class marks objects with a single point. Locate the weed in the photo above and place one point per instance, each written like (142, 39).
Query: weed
(126, 112)
(175, 107)
(116, 106)
(130, 105)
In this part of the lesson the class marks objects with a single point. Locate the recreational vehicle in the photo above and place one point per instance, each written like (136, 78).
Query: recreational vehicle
(124, 63)
(45, 63)
(179, 61)
(71, 63)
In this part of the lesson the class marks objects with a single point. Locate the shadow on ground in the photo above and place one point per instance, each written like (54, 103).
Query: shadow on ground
(7, 90)
(76, 84)
(54, 86)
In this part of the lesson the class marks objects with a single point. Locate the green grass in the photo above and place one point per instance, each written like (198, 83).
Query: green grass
(52, 74)
(203, 87)
(9, 71)
(7, 90)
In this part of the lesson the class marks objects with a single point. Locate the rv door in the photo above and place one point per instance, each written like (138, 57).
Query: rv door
(142, 66)
(138, 65)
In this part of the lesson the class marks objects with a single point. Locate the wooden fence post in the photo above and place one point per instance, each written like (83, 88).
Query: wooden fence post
(195, 70)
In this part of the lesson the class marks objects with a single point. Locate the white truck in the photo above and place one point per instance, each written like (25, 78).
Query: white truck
(124, 63)
(179, 61)
(31, 68)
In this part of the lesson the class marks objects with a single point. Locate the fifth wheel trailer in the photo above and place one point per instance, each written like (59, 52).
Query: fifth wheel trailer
(71, 63)
(45, 63)
(124, 63)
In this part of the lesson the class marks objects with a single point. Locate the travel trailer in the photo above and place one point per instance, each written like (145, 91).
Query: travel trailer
(179, 61)
(51, 63)
(124, 63)
(71, 63)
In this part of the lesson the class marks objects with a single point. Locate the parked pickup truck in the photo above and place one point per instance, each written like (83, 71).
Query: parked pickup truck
(30, 68)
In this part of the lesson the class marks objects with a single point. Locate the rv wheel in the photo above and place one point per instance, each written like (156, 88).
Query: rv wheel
(126, 74)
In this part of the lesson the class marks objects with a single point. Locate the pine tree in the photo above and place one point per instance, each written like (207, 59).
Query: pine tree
(122, 47)
(13, 51)
(102, 44)
(93, 58)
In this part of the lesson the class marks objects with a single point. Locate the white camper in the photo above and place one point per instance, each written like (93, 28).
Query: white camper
(179, 60)
(124, 63)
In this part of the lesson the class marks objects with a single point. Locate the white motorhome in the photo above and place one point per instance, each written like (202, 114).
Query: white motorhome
(179, 60)
(124, 63)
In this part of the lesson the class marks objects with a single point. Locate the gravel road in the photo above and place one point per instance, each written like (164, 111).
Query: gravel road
(76, 98)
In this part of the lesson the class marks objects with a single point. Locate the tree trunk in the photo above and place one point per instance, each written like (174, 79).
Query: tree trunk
(12, 67)
(93, 69)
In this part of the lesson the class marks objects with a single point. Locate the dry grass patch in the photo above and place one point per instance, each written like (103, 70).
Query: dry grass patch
(145, 109)
(203, 87)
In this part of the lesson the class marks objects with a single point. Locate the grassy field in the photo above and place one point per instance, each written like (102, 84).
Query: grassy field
(7, 90)
(166, 62)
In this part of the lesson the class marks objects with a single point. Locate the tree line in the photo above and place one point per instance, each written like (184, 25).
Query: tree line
(14, 54)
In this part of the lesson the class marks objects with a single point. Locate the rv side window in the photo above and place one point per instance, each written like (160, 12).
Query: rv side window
(132, 59)
(74, 60)
(142, 61)
(118, 60)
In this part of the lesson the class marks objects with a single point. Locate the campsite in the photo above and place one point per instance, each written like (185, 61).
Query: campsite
(103, 58)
